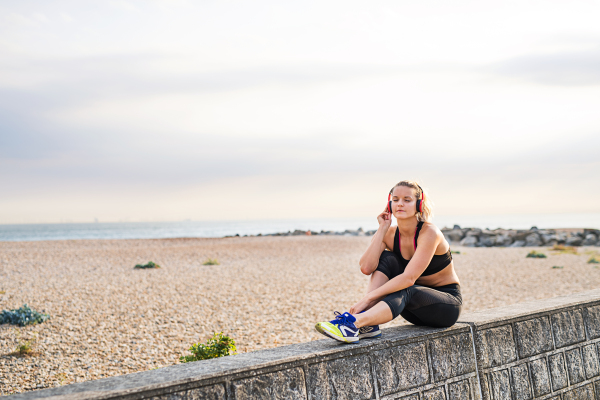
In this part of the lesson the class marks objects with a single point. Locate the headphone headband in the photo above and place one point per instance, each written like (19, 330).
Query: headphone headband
(419, 186)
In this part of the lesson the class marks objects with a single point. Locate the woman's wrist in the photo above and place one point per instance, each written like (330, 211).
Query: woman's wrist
(370, 297)
(382, 228)
(381, 231)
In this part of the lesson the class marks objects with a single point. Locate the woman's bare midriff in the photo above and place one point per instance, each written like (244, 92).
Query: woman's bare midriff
(446, 276)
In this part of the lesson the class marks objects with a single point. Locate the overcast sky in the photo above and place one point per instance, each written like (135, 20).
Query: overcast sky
(167, 110)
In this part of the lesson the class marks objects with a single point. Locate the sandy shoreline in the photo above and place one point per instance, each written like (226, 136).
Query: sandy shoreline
(109, 319)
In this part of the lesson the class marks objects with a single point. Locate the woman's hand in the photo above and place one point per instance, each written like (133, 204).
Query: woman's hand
(360, 306)
(385, 219)
(369, 260)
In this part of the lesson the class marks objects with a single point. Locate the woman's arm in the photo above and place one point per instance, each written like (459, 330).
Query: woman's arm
(428, 243)
(370, 259)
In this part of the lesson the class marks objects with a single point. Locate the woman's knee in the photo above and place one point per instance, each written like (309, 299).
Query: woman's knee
(389, 264)
(397, 301)
(387, 256)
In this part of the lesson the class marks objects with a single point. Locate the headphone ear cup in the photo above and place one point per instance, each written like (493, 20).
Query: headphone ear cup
(421, 200)
(390, 206)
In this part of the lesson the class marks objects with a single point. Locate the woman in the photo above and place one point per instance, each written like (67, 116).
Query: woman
(411, 269)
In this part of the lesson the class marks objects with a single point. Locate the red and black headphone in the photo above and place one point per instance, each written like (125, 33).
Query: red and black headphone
(419, 201)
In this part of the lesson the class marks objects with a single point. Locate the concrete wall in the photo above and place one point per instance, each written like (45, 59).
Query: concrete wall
(546, 349)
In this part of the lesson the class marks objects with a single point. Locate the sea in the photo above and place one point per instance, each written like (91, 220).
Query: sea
(204, 229)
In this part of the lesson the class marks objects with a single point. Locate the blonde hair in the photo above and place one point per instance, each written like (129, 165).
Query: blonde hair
(427, 213)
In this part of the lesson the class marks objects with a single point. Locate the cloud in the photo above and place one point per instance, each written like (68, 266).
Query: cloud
(567, 68)
(20, 20)
(65, 17)
(154, 74)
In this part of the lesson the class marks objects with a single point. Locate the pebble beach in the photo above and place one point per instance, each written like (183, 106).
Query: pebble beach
(108, 318)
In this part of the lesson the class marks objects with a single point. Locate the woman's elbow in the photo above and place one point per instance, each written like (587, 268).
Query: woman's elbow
(410, 280)
(366, 269)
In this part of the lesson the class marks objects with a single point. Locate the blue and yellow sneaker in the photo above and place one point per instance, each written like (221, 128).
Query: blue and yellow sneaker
(342, 328)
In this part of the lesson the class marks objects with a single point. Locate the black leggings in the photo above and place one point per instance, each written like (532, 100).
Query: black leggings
(421, 305)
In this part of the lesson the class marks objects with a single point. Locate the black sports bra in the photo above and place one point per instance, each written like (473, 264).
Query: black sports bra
(438, 262)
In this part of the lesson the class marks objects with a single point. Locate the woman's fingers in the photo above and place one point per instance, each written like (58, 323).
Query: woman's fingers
(384, 215)
(358, 307)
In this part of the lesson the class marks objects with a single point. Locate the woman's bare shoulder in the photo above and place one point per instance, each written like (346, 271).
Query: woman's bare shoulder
(430, 230)
(433, 232)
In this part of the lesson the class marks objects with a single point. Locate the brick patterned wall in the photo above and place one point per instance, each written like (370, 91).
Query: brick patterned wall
(441, 367)
(548, 355)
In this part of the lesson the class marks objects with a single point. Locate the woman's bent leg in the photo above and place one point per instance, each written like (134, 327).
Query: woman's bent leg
(422, 305)
(437, 307)
(388, 267)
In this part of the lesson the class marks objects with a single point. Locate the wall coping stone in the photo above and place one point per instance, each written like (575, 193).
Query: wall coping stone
(521, 311)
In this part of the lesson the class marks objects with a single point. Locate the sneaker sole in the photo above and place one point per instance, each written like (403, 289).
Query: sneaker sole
(322, 331)
(370, 335)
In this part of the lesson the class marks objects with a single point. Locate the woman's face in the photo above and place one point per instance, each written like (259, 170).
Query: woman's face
(404, 202)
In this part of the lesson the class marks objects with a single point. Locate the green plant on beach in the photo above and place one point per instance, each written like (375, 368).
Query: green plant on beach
(22, 316)
(557, 267)
(218, 346)
(562, 249)
(25, 348)
(535, 254)
(146, 266)
(211, 261)
(593, 260)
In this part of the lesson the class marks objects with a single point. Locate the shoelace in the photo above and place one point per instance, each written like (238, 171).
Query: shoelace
(343, 319)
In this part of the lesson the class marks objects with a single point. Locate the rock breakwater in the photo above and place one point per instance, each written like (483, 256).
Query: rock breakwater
(298, 232)
(475, 237)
